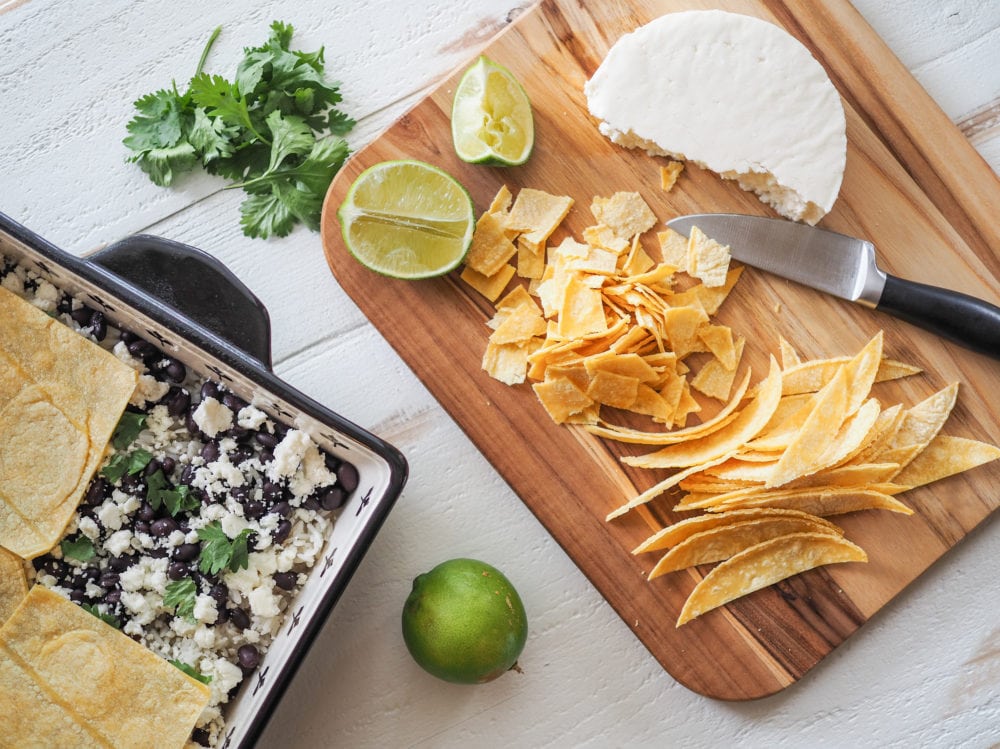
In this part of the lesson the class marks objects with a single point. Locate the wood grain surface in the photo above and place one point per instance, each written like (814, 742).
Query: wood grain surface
(913, 185)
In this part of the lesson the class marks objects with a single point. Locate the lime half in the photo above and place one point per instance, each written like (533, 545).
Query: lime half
(491, 120)
(407, 219)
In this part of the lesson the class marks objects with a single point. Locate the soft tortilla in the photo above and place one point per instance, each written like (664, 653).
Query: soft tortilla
(79, 677)
(13, 584)
(62, 398)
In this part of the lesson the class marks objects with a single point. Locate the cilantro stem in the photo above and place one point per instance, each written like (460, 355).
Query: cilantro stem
(208, 46)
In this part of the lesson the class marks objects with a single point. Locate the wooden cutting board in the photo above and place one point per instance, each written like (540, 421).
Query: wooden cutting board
(913, 185)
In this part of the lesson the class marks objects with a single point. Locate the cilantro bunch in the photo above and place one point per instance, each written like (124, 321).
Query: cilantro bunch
(259, 131)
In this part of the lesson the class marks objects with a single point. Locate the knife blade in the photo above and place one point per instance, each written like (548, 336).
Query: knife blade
(846, 267)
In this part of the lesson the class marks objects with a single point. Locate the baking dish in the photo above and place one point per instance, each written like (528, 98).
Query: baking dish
(198, 312)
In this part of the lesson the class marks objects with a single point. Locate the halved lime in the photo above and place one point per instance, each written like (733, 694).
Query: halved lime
(407, 219)
(491, 120)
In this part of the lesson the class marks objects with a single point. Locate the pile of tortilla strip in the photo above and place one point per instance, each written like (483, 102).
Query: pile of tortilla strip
(601, 324)
(67, 679)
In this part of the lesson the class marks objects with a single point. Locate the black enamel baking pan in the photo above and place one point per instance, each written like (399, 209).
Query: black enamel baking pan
(198, 312)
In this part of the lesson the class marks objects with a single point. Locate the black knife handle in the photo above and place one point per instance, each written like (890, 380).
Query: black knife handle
(966, 320)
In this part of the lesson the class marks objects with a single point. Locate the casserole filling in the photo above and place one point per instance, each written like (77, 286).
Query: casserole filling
(196, 532)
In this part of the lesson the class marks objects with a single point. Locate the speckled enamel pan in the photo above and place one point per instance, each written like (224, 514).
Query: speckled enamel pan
(200, 313)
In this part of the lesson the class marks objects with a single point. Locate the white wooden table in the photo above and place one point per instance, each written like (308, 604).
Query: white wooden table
(924, 672)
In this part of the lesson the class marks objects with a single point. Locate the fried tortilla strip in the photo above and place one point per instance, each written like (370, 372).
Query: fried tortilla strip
(684, 529)
(719, 544)
(765, 564)
(93, 680)
(945, 456)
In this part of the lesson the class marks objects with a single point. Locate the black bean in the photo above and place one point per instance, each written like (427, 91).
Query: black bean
(65, 303)
(76, 596)
(233, 402)
(220, 593)
(200, 736)
(282, 508)
(266, 439)
(311, 503)
(192, 425)
(113, 596)
(177, 571)
(152, 467)
(81, 315)
(272, 491)
(146, 513)
(108, 579)
(187, 474)
(177, 401)
(281, 531)
(241, 454)
(332, 498)
(210, 390)
(163, 527)
(240, 493)
(266, 456)
(158, 553)
(96, 492)
(210, 452)
(347, 477)
(90, 574)
(133, 482)
(140, 526)
(121, 563)
(248, 656)
(168, 465)
(128, 336)
(254, 510)
(286, 580)
(174, 370)
(141, 349)
(239, 618)
(98, 326)
(186, 552)
(332, 462)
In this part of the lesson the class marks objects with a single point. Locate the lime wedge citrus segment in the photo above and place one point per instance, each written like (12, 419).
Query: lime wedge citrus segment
(407, 219)
(491, 121)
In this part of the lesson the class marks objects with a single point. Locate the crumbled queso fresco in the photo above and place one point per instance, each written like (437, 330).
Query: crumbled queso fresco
(196, 532)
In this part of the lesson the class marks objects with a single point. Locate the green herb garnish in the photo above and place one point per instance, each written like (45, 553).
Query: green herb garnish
(80, 548)
(122, 463)
(129, 427)
(106, 618)
(219, 552)
(179, 596)
(259, 131)
(192, 672)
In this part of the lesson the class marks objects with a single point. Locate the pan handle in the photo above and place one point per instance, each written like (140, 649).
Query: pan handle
(196, 285)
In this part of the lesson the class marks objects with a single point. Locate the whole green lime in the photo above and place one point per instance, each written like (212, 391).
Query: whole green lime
(464, 622)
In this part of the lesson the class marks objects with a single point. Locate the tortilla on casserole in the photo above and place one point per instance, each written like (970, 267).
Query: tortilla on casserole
(87, 679)
(61, 396)
(13, 584)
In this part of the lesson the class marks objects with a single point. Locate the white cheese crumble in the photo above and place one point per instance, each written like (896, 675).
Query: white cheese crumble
(212, 417)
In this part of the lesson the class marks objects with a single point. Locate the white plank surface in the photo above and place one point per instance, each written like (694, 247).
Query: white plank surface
(924, 672)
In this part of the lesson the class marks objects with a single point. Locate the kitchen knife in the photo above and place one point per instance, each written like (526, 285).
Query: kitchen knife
(845, 267)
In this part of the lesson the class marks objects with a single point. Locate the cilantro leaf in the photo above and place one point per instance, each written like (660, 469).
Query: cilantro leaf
(192, 672)
(116, 468)
(261, 130)
(212, 137)
(106, 618)
(129, 427)
(180, 595)
(222, 99)
(219, 552)
(80, 548)
(179, 500)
